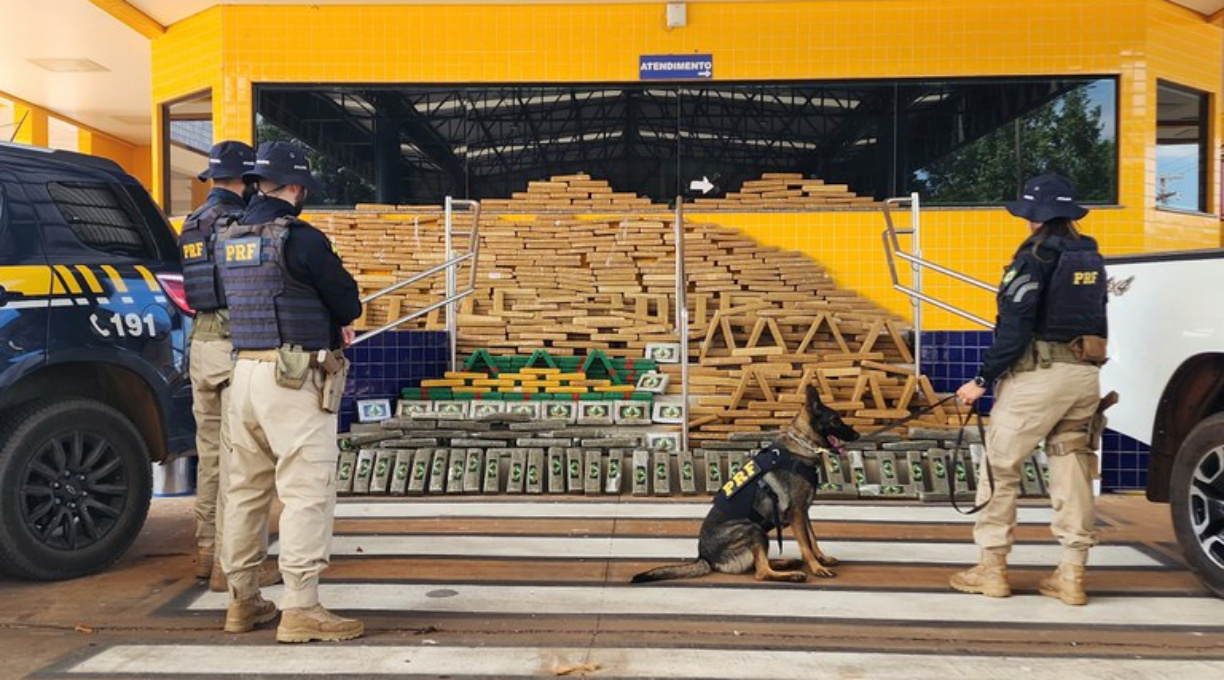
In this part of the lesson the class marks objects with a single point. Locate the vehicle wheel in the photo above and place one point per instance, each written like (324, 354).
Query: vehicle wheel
(75, 484)
(1197, 501)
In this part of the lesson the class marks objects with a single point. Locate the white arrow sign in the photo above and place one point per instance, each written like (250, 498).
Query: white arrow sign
(704, 185)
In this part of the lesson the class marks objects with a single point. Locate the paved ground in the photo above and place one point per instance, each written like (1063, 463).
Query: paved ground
(501, 587)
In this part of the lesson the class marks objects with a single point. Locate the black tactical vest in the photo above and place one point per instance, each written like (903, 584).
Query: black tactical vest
(737, 498)
(201, 281)
(1074, 303)
(268, 307)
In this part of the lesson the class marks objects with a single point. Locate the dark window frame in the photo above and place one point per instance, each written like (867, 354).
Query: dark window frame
(1203, 171)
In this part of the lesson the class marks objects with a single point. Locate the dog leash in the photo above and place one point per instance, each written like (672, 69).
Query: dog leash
(913, 416)
(956, 450)
(957, 457)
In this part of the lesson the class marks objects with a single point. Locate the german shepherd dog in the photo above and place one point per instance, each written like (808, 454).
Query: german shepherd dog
(731, 543)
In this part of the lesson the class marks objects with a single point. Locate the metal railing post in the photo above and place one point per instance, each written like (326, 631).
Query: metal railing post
(451, 266)
(892, 248)
(682, 322)
(452, 327)
(916, 273)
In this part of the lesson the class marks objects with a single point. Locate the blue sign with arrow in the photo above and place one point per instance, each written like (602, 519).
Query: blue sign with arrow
(675, 67)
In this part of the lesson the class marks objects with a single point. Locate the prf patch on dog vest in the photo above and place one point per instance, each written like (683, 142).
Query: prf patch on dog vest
(740, 479)
(242, 252)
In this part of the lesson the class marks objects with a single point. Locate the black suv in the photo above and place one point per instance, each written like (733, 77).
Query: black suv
(93, 364)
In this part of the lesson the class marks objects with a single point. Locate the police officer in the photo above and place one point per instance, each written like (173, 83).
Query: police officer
(211, 363)
(1044, 363)
(211, 349)
(291, 308)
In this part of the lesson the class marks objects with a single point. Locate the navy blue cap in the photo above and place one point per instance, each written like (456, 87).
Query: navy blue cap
(1047, 197)
(284, 163)
(228, 160)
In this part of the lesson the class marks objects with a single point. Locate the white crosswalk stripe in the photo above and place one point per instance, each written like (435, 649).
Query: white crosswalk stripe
(625, 662)
(696, 509)
(803, 602)
(562, 547)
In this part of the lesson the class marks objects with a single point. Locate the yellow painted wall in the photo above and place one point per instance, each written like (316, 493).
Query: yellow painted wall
(227, 49)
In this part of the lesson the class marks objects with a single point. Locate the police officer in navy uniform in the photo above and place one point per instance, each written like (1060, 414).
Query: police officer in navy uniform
(291, 304)
(1044, 364)
(211, 363)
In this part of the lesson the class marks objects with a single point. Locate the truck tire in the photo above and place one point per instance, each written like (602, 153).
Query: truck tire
(75, 485)
(1197, 501)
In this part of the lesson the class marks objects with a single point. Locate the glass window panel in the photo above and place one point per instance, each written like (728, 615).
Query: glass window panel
(979, 143)
(959, 142)
(101, 219)
(187, 138)
(1181, 148)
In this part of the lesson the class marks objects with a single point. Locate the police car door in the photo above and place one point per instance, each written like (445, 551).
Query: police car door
(25, 285)
(104, 295)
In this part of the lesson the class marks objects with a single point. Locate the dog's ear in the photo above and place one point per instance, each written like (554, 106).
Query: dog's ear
(813, 397)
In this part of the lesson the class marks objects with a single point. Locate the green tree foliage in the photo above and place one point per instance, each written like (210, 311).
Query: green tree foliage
(343, 186)
(1063, 136)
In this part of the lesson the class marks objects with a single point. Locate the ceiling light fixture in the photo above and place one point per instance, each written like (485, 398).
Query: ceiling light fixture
(69, 65)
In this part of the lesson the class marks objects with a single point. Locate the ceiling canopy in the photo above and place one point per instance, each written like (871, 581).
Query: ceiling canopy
(80, 61)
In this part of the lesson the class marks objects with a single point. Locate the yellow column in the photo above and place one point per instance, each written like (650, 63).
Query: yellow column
(32, 125)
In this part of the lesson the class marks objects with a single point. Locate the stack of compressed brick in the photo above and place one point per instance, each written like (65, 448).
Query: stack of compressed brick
(567, 193)
(538, 377)
(448, 452)
(764, 322)
(786, 190)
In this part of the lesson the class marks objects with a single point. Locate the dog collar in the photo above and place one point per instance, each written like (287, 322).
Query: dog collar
(812, 450)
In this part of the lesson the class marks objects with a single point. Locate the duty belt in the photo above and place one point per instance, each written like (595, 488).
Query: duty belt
(257, 354)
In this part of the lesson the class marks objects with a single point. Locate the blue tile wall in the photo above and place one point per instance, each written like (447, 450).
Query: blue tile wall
(389, 362)
(1125, 461)
(949, 358)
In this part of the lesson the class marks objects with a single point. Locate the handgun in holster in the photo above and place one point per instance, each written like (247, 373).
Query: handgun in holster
(335, 374)
(1099, 421)
(1078, 435)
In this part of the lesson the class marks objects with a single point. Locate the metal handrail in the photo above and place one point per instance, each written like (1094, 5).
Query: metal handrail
(892, 246)
(682, 323)
(451, 266)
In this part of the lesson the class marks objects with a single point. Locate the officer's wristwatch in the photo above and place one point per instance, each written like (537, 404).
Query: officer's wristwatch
(979, 381)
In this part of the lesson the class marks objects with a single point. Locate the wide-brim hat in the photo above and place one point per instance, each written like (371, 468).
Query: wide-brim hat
(284, 163)
(228, 160)
(1047, 197)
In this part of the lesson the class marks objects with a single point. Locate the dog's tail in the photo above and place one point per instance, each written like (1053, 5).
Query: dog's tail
(697, 567)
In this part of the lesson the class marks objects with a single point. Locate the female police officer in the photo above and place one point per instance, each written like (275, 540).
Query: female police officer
(1049, 344)
(291, 305)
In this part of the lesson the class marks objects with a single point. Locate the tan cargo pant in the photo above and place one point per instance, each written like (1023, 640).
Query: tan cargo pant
(282, 442)
(1031, 406)
(211, 367)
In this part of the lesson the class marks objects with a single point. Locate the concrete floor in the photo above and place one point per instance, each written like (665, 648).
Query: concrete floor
(537, 586)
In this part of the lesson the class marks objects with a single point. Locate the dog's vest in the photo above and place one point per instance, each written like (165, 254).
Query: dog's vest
(737, 497)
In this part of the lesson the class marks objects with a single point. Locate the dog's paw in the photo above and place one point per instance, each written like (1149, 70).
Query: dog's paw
(821, 572)
(828, 560)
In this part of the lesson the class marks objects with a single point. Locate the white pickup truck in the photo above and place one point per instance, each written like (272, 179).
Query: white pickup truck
(1166, 349)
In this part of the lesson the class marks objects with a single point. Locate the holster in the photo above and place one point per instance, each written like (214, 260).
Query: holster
(1081, 435)
(335, 368)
